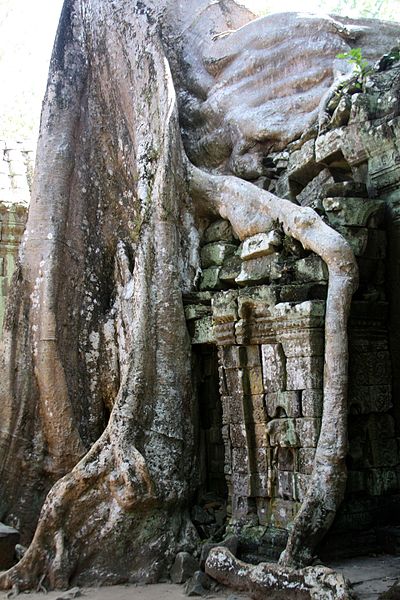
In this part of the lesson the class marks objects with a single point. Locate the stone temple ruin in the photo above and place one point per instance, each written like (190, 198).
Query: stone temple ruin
(16, 166)
(259, 318)
(255, 312)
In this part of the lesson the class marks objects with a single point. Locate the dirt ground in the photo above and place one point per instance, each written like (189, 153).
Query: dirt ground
(370, 577)
(160, 591)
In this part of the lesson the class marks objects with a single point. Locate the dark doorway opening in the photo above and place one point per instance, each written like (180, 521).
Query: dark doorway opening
(209, 510)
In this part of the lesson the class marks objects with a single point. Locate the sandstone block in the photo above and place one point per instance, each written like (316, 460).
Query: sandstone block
(283, 512)
(308, 431)
(310, 268)
(304, 372)
(230, 269)
(328, 146)
(241, 484)
(302, 342)
(261, 244)
(210, 279)
(215, 253)
(219, 230)
(183, 568)
(196, 311)
(247, 381)
(255, 411)
(355, 212)
(238, 436)
(294, 433)
(263, 511)
(224, 307)
(198, 585)
(302, 165)
(203, 332)
(240, 460)
(262, 269)
(357, 238)
(283, 404)
(261, 484)
(285, 487)
(285, 459)
(273, 367)
(282, 433)
(231, 543)
(256, 301)
(341, 114)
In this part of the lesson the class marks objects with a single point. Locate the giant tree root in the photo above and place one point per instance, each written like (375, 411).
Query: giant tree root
(268, 580)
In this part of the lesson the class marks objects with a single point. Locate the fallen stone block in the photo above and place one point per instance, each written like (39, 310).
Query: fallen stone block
(198, 585)
(184, 567)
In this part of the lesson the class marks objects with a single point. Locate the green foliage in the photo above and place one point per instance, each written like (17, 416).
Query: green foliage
(355, 57)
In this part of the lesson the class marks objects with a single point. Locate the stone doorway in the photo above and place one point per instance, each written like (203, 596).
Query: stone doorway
(210, 509)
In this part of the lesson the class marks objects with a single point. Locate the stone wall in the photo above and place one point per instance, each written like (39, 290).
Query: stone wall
(262, 303)
(16, 167)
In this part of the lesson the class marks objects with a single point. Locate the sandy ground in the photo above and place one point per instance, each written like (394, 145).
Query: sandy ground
(159, 591)
(370, 577)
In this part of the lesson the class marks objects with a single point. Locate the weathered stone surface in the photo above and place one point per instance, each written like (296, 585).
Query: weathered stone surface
(304, 372)
(224, 307)
(261, 244)
(258, 300)
(230, 269)
(357, 238)
(230, 543)
(262, 269)
(210, 279)
(183, 568)
(313, 193)
(302, 166)
(273, 367)
(328, 146)
(9, 537)
(294, 433)
(302, 341)
(342, 113)
(216, 253)
(311, 268)
(305, 460)
(198, 585)
(196, 311)
(355, 212)
(219, 230)
(203, 331)
(284, 404)
(247, 381)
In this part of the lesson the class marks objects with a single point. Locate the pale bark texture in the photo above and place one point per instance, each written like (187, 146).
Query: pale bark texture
(96, 323)
(97, 403)
(272, 581)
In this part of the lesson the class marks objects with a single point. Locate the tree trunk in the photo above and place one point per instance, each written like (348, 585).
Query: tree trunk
(97, 403)
(97, 321)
